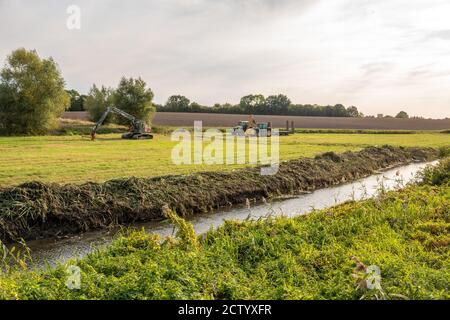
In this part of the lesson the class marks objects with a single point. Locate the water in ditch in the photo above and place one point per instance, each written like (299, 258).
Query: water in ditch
(50, 251)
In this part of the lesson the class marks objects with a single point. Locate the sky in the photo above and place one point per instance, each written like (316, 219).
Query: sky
(382, 56)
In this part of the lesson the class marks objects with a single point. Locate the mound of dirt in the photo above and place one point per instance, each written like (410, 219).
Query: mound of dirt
(36, 210)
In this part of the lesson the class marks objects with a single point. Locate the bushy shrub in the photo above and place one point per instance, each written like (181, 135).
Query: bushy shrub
(437, 175)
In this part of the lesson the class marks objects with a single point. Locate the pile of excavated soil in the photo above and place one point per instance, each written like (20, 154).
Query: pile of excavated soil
(36, 210)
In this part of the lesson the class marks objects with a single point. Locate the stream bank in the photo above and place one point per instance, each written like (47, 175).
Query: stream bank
(36, 210)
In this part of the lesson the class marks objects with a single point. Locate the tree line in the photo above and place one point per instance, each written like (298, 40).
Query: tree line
(258, 104)
(250, 104)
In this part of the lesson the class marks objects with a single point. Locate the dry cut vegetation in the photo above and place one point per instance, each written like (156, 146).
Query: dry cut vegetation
(35, 210)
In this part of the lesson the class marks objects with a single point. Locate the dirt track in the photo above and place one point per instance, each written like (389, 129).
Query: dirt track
(229, 120)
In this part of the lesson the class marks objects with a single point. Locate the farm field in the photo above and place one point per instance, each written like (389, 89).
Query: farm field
(177, 119)
(76, 159)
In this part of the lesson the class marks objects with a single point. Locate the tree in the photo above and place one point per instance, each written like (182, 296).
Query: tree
(76, 100)
(178, 103)
(339, 111)
(196, 107)
(97, 101)
(352, 111)
(133, 97)
(277, 104)
(32, 94)
(402, 115)
(253, 103)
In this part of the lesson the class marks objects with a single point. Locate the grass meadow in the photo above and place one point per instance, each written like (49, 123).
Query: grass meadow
(76, 159)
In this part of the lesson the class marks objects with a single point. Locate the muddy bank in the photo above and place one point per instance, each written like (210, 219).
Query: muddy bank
(36, 210)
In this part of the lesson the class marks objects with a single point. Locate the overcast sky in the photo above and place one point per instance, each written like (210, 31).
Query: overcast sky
(379, 55)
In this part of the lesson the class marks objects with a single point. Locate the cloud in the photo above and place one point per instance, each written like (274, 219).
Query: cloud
(439, 34)
(373, 54)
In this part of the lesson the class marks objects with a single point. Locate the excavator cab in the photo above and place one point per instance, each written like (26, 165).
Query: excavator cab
(138, 130)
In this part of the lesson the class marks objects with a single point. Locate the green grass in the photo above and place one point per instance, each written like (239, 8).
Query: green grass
(404, 233)
(74, 158)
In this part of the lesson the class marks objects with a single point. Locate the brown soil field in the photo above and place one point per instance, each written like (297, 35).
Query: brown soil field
(182, 119)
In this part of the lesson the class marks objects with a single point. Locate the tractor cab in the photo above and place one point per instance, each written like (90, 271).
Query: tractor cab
(264, 129)
(241, 127)
(251, 128)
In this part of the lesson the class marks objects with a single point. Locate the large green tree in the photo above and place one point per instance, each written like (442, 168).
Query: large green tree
(253, 103)
(277, 104)
(352, 111)
(32, 94)
(402, 115)
(133, 97)
(97, 101)
(178, 103)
